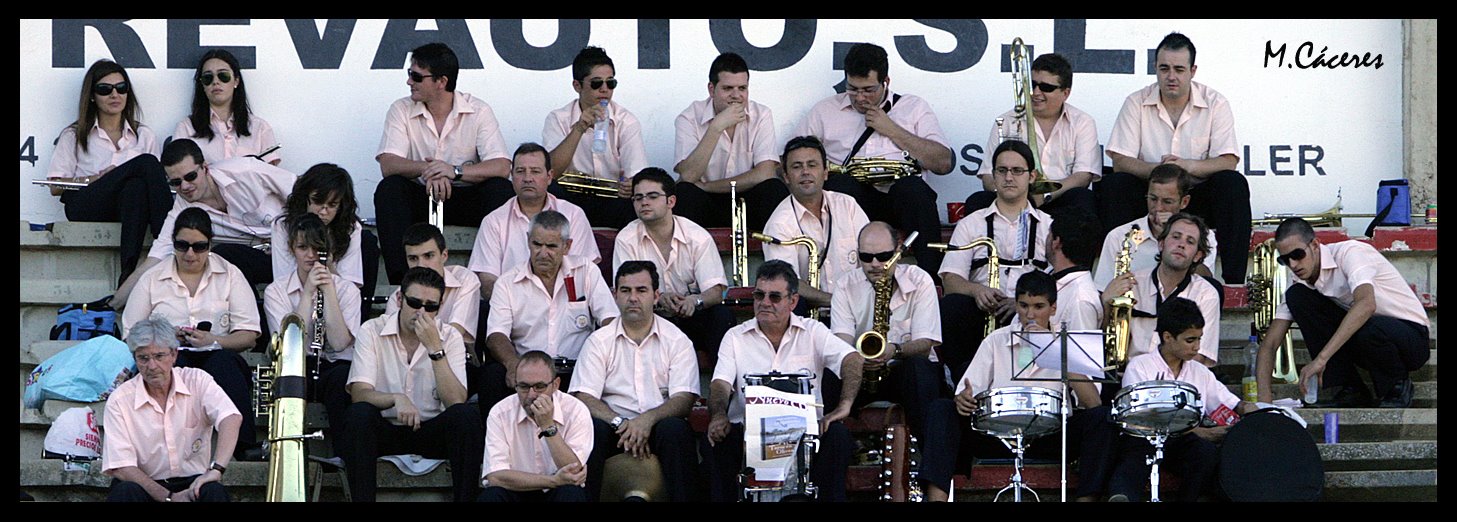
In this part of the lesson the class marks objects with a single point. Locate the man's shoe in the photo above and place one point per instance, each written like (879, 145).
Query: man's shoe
(1348, 396)
(1399, 396)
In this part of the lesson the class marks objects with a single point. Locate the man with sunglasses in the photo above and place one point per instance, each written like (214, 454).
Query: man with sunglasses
(425, 246)
(537, 440)
(569, 134)
(1355, 310)
(688, 259)
(639, 378)
(831, 219)
(1067, 142)
(870, 121)
(440, 141)
(1178, 121)
(727, 138)
(777, 340)
(408, 386)
(242, 196)
(1181, 248)
(1168, 194)
(915, 374)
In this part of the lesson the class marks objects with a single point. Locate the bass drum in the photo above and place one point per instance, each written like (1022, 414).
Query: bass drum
(1268, 457)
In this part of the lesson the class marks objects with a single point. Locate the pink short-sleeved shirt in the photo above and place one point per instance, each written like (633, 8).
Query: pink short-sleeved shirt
(750, 143)
(693, 263)
(836, 231)
(282, 297)
(381, 361)
(1071, 147)
(223, 298)
(633, 378)
(1014, 240)
(471, 133)
(256, 194)
(1145, 337)
(1153, 367)
(555, 324)
(1349, 264)
(512, 442)
(915, 310)
(350, 266)
(226, 143)
(1145, 131)
(170, 442)
(807, 347)
(460, 306)
(625, 154)
(69, 161)
(501, 241)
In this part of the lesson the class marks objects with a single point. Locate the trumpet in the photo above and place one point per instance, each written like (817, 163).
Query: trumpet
(872, 343)
(1117, 336)
(1266, 284)
(740, 227)
(814, 260)
(579, 183)
(1332, 217)
(994, 265)
(878, 170)
(1022, 108)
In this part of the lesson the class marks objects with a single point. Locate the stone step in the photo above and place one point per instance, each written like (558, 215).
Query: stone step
(1424, 394)
(1381, 486)
(1231, 369)
(64, 291)
(1379, 456)
(1374, 424)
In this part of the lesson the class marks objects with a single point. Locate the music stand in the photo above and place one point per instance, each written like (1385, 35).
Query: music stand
(1086, 344)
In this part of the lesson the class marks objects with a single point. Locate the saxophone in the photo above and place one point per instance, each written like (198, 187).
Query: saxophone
(739, 225)
(1266, 284)
(871, 344)
(994, 266)
(281, 384)
(1118, 334)
(814, 260)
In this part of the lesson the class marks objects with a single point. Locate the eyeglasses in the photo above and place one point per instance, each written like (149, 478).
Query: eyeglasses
(597, 83)
(651, 196)
(1294, 255)
(774, 297)
(419, 303)
(884, 257)
(144, 359)
(188, 177)
(206, 78)
(1045, 87)
(1015, 171)
(199, 247)
(417, 77)
(104, 89)
(539, 387)
(868, 91)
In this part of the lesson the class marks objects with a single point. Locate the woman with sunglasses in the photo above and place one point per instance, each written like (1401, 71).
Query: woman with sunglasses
(109, 150)
(326, 190)
(214, 308)
(221, 121)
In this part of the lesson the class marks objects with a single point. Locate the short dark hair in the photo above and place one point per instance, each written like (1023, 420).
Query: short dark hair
(540, 357)
(1178, 314)
(194, 218)
(529, 148)
(423, 276)
(181, 148)
(660, 176)
(865, 57)
(1079, 233)
(1202, 246)
(779, 269)
(1295, 226)
(1056, 65)
(552, 220)
(439, 60)
(1174, 42)
(1037, 284)
(1171, 173)
(632, 267)
(803, 142)
(727, 63)
(313, 232)
(419, 233)
(586, 59)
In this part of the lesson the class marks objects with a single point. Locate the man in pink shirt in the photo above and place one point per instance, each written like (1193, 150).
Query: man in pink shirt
(727, 138)
(570, 134)
(160, 424)
(436, 141)
(536, 440)
(1178, 121)
(869, 121)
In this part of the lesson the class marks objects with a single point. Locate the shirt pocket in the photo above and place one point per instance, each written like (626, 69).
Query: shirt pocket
(578, 316)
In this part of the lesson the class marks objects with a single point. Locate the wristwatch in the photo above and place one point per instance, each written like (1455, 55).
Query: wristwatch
(699, 306)
(617, 422)
(549, 432)
(458, 173)
(221, 468)
(1045, 197)
(897, 351)
(435, 356)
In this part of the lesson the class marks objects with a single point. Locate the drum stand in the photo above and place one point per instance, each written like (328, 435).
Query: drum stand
(1015, 444)
(1157, 440)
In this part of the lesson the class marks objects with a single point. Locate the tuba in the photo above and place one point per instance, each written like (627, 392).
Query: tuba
(1024, 121)
(994, 266)
(1118, 334)
(1266, 284)
(814, 260)
(740, 227)
(872, 343)
(280, 389)
(581, 183)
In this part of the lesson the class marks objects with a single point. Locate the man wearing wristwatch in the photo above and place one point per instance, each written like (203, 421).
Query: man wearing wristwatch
(639, 378)
(441, 141)
(536, 439)
(570, 134)
(159, 426)
(683, 253)
(408, 385)
(915, 374)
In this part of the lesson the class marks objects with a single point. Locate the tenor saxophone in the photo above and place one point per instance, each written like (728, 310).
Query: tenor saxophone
(1266, 284)
(1118, 334)
(872, 343)
(994, 266)
(284, 401)
(814, 260)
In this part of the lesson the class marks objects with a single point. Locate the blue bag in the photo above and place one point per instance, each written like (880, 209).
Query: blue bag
(82, 321)
(86, 372)
(1393, 205)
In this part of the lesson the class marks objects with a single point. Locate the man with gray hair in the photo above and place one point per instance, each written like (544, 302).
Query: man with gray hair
(159, 427)
(551, 304)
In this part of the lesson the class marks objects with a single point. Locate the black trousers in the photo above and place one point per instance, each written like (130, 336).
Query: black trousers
(613, 213)
(706, 327)
(256, 265)
(1071, 204)
(1223, 200)
(827, 469)
(1387, 347)
(400, 202)
(711, 210)
(124, 491)
(913, 382)
(369, 257)
(236, 379)
(557, 494)
(134, 194)
(672, 440)
(963, 326)
(455, 435)
(910, 205)
(1195, 460)
(1091, 440)
(330, 391)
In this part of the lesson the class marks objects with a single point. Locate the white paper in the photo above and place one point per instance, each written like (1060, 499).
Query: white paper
(1084, 351)
(774, 421)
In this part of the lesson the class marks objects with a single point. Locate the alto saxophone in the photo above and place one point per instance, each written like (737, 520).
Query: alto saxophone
(1118, 334)
(994, 266)
(872, 343)
(814, 260)
(1266, 284)
(740, 227)
(280, 386)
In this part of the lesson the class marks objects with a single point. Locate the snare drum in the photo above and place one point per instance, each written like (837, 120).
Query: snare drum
(1007, 412)
(785, 382)
(1153, 407)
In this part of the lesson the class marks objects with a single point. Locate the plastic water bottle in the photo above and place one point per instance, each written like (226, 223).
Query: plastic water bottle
(1251, 386)
(1312, 390)
(599, 132)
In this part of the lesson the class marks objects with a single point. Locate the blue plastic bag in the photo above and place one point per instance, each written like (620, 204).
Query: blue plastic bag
(86, 372)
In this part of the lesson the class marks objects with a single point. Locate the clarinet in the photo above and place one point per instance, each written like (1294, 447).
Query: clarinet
(316, 345)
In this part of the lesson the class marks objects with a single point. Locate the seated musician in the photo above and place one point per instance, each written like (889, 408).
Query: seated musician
(326, 190)
(536, 439)
(913, 376)
(1180, 327)
(408, 386)
(1354, 310)
(550, 304)
(297, 291)
(569, 134)
(1071, 243)
(830, 219)
(425, 246)
(1001, 358)
(1168, 194)
(1020, 233)
(159, 426)
(692, 272)
(777, 340)
(639, 379)
(1181, 248)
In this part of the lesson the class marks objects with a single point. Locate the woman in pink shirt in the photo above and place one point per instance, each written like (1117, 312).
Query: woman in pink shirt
(327, 191)
(115, 156)
(221, 121)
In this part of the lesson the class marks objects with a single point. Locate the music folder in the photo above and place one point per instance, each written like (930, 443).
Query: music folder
(1084, 351)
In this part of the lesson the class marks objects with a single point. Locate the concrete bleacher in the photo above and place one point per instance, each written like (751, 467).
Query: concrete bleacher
(1382, 454)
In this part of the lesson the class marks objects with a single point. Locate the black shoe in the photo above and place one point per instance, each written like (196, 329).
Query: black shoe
(251, 454)
(1349, 396)
(1399, 396)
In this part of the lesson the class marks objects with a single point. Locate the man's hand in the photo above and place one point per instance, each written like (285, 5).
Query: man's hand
(424, 327)
(624, 189)
(987, 298)
(406, 411)
(837, 414)
(732, 115)
(718, 428)
(872, 364)
(877, 119)
(1006, 308)
(1119, 286)
(541, 410)
(1315, 368)
(190, 336)
(195, 490)
(633, 434)
(574, 474)
(184, 496)
(589, 118)
(966, 403)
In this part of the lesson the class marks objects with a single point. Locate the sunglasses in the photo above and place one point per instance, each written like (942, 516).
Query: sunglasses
(189, 177)
(1045, 87)
(539, 387)
(417, 77)
(1294, 255)
(104, 89)
(884, 257)
(419, 304)
(206, 78)
(597, 83)
(199, 247)
(774, 297)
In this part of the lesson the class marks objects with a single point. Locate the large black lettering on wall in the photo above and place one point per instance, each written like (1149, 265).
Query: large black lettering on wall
(320, 51)
(799, 35)
(971, 44)
(510, 42)
(1069, 38)
(400, 36)
(68, 43)
(184, 43)
(652, 43)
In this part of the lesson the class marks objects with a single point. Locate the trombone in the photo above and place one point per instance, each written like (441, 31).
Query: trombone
(581, 183)
(1022, 115)
(1331, 217)
(994, 266)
